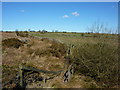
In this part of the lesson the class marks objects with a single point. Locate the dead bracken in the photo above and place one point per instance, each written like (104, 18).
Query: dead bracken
(12, 42)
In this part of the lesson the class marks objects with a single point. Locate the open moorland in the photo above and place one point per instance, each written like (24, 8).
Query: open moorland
(94, 56)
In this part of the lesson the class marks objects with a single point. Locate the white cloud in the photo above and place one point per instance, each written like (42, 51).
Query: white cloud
(75, 14)
(65, 16)
(22, 10)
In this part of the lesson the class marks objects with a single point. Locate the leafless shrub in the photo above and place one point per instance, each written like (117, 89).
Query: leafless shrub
(98, 61)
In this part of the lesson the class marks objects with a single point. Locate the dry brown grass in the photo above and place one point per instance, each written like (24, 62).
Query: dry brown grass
(12, 42)
(46, 63)
(47, 55)
(78, 81)
(35, 54)
(8, 35)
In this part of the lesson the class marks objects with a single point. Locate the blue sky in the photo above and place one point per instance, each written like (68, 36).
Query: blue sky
(61, 16)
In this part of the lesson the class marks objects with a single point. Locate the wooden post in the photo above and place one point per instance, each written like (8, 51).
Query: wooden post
(21, 76)
(68, 73)
(72, 70)
(44, 82)
(65, 77)
(21, 73)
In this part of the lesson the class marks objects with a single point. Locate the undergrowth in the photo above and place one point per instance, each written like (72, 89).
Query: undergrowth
(98, 61)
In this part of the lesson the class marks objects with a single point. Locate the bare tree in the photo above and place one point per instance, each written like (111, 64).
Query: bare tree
(116, 31)
(97, 27)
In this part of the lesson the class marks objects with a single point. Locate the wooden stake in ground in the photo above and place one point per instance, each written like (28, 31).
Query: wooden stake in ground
(21, 76)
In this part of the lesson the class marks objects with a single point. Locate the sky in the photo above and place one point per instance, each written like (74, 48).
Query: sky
(61, 16)
(60, 0)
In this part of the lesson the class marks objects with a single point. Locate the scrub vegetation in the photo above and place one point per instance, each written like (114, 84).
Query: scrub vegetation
(94, 55)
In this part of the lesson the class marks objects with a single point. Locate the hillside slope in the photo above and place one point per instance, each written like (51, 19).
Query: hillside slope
(41, 54)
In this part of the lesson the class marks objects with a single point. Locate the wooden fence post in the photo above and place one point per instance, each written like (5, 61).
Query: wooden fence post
(44, 82)
(68, 74)
(22, 70)
(21, 76)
